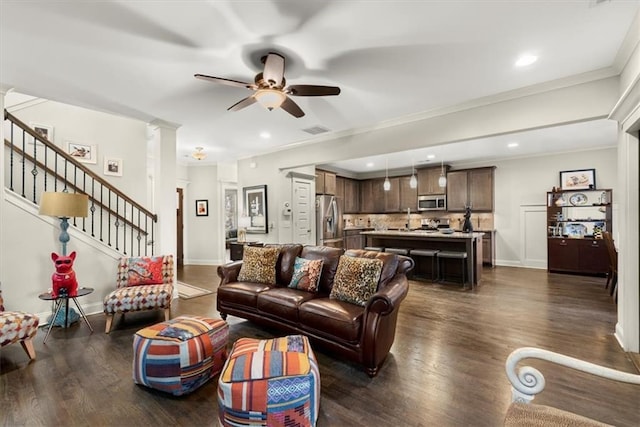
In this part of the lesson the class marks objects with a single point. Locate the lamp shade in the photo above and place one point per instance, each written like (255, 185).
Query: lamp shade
(270, 98)
(64, 205)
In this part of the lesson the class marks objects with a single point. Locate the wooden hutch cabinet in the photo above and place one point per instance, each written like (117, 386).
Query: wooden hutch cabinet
(575, 220)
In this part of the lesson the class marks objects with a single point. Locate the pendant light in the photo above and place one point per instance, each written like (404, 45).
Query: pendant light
(387, 183)
(442, 181)
(413, 182)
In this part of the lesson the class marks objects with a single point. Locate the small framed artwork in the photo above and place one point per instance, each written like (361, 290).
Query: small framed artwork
(82, 152)
(255, 203)
(581, 179)
(44, 131)
(112, 166)
(202, 207)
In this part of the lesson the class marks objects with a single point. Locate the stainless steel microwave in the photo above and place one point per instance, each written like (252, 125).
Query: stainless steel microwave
(436, 202)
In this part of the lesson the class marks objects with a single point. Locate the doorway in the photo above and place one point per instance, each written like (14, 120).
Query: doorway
(303, 208)
(179, 227)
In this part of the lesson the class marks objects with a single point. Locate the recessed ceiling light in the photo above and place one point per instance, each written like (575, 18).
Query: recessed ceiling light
(265, 135)
(512, 144)
(370, 164)
(431, 156)
(525, 60)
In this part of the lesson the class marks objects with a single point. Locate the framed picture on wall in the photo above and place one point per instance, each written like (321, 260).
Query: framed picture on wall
(581, 179)
(112, 166)
(255, 203)
(84, 153)
(44, 131)
(202, 207)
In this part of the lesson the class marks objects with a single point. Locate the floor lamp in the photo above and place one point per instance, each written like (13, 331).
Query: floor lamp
(64, 205)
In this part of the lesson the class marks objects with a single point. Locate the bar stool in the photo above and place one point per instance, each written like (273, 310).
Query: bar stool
(374, 248)
(427, 253)
(451, 255)
(397, 251)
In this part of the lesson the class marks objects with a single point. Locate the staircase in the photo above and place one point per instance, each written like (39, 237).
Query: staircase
(34, 165)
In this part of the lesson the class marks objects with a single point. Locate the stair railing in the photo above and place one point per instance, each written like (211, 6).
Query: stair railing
(35, 164)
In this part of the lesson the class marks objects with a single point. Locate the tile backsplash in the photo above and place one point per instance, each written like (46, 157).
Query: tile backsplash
(480, 221)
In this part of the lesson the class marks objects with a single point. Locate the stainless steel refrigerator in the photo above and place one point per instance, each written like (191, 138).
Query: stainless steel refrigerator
(327, 217)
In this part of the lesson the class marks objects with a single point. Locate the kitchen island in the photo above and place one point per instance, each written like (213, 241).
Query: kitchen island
(471, 243)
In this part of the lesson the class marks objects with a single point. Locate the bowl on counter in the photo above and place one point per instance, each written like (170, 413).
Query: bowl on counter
(447, 230)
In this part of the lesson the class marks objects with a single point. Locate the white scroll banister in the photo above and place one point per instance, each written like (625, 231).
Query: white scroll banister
(527, 382)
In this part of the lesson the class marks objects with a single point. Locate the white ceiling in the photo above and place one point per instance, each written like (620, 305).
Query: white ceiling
(390, 58)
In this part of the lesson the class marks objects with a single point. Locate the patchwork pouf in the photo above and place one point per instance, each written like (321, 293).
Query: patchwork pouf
(179, 355)
(272, 382)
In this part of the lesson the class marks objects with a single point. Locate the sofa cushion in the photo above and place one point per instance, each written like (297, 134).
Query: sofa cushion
(330, 258)
(259, 265)
(286, 259)
(356, 279)
(389, 263)
(282, 303)
(332, 318)
(243, 294)
(306, 274)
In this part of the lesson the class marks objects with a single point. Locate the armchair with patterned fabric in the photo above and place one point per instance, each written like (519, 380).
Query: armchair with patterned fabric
(18, 326)
(143, 283)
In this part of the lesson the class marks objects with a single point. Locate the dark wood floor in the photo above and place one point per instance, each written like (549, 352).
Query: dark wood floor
(446, 367)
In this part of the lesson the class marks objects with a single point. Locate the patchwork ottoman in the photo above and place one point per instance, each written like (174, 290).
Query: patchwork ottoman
(179, 355)
(272, 382)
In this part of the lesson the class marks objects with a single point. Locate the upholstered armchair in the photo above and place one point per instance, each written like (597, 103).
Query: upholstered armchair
(18, 326)
(143, 283)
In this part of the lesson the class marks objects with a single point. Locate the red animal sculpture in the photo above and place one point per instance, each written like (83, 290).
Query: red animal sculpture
(64, 279)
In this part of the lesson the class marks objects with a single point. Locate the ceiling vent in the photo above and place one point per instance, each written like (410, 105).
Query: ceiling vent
(315, 130)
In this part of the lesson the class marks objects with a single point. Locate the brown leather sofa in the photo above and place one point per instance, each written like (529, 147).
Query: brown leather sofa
(361, 334)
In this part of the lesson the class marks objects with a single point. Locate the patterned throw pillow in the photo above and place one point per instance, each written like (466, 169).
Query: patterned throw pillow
(356, 279)
(145, 271)
(259, 265)
(306, 274)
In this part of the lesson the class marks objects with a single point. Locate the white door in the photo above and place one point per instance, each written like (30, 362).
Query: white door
(303, 208)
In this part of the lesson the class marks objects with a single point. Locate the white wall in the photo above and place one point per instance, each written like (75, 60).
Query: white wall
(114, 136)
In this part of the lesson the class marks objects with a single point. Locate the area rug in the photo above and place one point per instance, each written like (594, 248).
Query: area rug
(186, 291)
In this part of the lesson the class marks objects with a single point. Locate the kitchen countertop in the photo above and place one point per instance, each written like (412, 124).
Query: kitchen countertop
(424, 233)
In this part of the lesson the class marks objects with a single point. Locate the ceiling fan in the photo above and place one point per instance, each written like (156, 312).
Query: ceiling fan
(270, 87)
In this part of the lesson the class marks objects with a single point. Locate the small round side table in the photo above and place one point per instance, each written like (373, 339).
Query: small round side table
(59, 300)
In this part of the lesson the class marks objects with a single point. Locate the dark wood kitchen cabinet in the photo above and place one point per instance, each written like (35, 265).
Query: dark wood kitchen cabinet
(408, 195)
(372, 197)
(392, 197)
(470, 187)
(428, 181)
(353, 239)
(351, 196)
(325, 182)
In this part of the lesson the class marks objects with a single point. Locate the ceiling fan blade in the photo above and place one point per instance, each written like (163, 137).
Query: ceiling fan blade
(292, 108)
(242, 104)
(228, 82)
(312, 90)
(273, 69)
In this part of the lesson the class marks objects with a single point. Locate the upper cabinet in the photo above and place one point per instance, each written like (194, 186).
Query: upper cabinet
(325, 182)
(408, 195)
(470, 187)
(428, 181)
(372, 197)
(351, 196)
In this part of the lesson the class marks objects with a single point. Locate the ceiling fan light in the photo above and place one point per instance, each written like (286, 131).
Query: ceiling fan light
(270, 98)
(198, 154)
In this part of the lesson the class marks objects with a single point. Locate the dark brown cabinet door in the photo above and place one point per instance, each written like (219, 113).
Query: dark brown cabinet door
(330, 183)
(592, 256)
(319, 182)
(351, 196)
(408, 195)
(428, 181)
(339, 193)
(457, 191)
(562, 255)
(481, 189)
(372, 198)
(392, 197)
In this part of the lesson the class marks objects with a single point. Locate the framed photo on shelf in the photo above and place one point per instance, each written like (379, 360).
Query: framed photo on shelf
(202, 207)
(84, 153)
(255, 203)
(581, 179)
(112, 166)
(44, 131)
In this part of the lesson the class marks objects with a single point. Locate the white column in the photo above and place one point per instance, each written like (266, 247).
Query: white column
(3, 91)
(163, 157)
